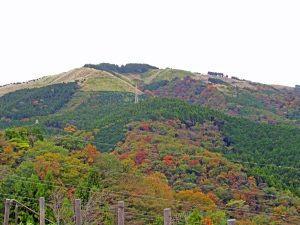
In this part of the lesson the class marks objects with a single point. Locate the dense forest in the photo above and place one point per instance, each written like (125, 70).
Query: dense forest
(128, 68)
(27, 103)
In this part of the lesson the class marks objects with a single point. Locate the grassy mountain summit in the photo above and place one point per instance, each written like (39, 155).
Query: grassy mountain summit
(87, 78)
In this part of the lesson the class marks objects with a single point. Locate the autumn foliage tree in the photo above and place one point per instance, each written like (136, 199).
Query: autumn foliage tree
(91, 154)
(196, 198)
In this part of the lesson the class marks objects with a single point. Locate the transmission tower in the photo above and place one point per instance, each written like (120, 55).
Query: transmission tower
(136, 98)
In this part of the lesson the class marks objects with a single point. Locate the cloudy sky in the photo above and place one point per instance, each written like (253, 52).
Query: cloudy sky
(258, 40)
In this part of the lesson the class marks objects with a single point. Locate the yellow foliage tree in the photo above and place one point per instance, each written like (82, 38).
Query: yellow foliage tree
(65, 169)
(196, 199)
(150, 193)
(70, 129)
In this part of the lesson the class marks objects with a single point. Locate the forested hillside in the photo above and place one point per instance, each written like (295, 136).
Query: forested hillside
(262, 147)
(227, 147)
(258, 102)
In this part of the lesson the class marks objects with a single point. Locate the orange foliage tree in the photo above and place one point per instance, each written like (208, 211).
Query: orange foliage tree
(70, 129)
(168, 160)
(207, 221)
(91, 154)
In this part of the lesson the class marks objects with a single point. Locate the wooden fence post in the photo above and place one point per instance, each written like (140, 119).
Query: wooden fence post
(121, 216)
(6, 212)
(78, 212)
(167, 216)
(42, 210)
(231, 222)
(16, 214)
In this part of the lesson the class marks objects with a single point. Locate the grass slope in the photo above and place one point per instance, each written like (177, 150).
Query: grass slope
(165, 74)
(88, 79)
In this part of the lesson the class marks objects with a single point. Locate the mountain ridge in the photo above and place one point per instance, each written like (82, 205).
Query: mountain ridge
(236, 97)
(82, 73)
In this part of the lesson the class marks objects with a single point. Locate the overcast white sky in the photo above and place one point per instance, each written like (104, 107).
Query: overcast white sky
(258, 40)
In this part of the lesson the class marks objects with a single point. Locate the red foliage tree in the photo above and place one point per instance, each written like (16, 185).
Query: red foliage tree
(140, 157)
(193, 162)
(145, 127)
(168, 160)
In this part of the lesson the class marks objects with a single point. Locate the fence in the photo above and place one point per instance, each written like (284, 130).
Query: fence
(121, 211)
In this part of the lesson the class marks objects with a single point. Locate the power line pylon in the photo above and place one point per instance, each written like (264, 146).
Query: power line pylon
(136, 98)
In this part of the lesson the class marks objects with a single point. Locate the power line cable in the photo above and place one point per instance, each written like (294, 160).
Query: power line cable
(142, 176)
(223, 157)
(31, 210)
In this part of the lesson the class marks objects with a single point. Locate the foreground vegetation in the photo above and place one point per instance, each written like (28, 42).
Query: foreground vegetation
(157, 166)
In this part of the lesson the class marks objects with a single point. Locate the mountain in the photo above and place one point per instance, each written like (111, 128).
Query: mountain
(271, 104)
(228, 147)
